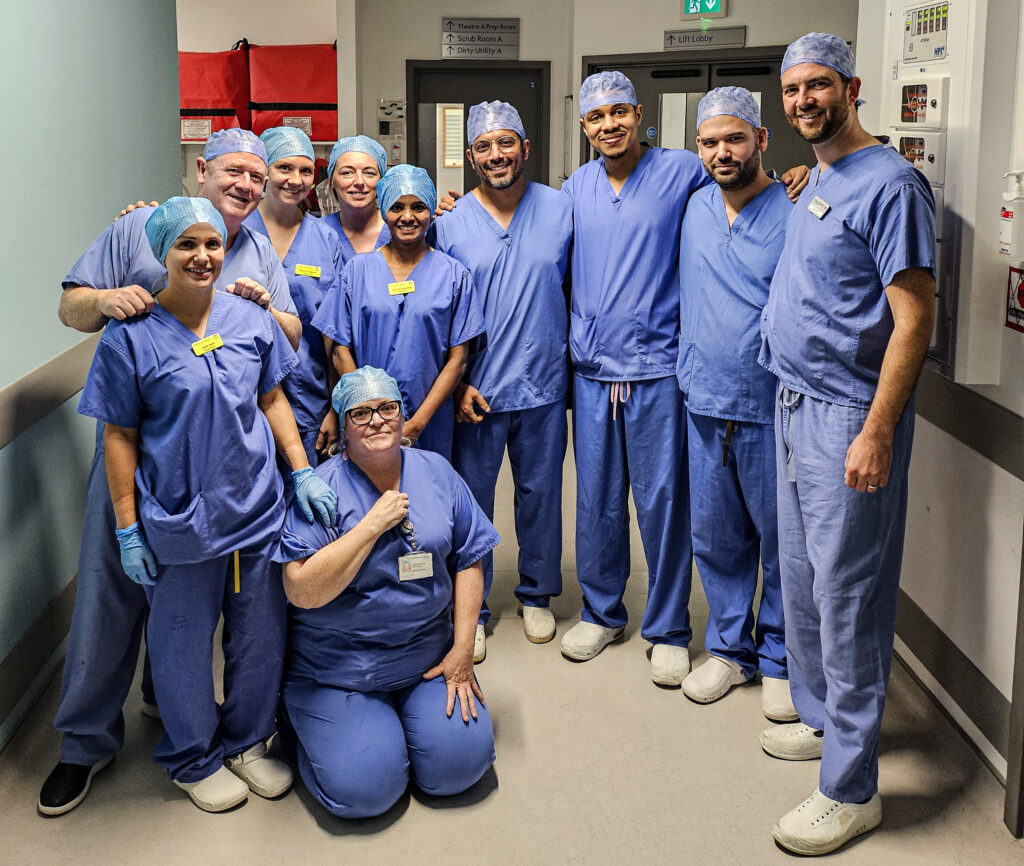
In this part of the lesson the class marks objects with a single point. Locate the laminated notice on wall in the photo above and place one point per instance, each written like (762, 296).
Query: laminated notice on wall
(1015, 299)
(453, 137)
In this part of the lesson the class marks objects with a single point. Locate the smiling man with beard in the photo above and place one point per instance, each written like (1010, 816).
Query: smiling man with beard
(514, 236)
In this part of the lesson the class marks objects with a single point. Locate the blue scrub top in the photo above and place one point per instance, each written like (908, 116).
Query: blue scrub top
(827, 323)
(122, 256)
(624, 321)
(724, 279)
(333, 222)
(314, 247)
(207, 476)
(381, 633)
(406, 335)
(519, 274)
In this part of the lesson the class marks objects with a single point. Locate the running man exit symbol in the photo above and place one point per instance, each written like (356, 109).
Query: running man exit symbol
(704, 8)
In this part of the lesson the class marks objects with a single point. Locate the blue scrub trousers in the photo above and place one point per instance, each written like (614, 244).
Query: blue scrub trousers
(106, 630)
(536, 440)
(185, 606)
(840, 553)
(645, 448)
(357, 750)
(735, 527)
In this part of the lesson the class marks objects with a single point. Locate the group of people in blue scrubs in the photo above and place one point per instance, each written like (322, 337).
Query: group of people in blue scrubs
(752, 393)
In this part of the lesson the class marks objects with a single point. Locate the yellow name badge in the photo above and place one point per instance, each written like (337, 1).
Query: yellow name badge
(207, 344)
(403, 288)
(307, 271)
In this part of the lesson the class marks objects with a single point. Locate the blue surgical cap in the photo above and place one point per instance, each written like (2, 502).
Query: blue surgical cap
(490, 116)
(605, 88)
(406, 180)
(285, 141)
(823, 49)
(366, 383)
(233, 140)
(169, 221)
(358, 144)
(734, 101)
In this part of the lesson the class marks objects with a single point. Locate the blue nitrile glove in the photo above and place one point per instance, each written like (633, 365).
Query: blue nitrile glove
(311, 492)
(137, 559)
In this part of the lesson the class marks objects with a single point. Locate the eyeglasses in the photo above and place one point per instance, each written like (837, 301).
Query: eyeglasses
(363, 415)
(408, 533)
(506, 144)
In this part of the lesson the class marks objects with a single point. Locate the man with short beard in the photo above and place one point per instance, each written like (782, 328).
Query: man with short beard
(733, 234)
(514, 237)
(846, 328)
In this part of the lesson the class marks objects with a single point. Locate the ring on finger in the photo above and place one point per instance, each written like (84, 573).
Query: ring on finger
(872, 487)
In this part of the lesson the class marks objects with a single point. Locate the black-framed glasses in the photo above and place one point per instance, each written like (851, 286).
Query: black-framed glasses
(363, 415)
(408, 533)
(506, 144)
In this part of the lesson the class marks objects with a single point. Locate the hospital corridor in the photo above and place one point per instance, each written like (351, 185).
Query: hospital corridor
(551, 432)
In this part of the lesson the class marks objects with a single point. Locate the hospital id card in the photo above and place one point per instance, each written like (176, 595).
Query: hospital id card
(307, 271)
(403, 288)
(207, 344)
(415, 566)
(819, 207)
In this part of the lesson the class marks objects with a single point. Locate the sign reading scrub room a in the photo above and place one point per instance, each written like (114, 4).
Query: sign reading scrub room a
(704, 9)
(479, 38)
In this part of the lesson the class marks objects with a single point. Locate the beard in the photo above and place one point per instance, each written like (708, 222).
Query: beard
(834, 118)
(746, 173)
(504, 183)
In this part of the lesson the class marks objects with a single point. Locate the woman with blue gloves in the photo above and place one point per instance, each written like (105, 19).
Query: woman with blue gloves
(191, 398)
(311, 256)
(356, 165)
(407, 309)
(383, 616)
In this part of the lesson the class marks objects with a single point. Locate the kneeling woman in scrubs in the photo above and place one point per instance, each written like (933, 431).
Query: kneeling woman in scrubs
(379, 682)
(193, 406)
(407, 309)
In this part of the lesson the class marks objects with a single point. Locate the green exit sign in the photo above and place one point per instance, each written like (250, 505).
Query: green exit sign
(704, 9)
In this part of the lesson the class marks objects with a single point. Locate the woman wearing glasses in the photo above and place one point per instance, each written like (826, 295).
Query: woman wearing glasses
(379, 681)
(407, 309)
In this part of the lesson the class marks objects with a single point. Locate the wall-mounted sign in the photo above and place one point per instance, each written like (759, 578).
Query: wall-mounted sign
(453, 137)
(713, 37)
(704, 9)
(479, 38)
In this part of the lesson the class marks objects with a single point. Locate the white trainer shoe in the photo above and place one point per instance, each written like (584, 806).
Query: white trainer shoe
(669, 664)
(795, 742)
(820, 824)
(713, 679)
(479, 644)
(776, 701)
(538, 624)
(586, 639)
(217, 792)
(265, 776)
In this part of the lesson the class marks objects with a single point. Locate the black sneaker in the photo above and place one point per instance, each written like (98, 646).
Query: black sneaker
(66, 786)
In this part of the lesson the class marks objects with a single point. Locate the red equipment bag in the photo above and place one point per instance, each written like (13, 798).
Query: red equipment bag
(295, 85)
(214, 91)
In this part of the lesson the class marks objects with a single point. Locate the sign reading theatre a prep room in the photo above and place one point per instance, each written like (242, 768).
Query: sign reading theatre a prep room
(479, 38)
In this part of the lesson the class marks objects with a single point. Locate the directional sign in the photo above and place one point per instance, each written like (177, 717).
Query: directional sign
(480, 38)
(704, 9)
(713, 37)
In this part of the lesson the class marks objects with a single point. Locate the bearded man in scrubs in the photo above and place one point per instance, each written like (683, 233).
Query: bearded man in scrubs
(116, 279)
(846, 328)
(514, 237)
(733, 233)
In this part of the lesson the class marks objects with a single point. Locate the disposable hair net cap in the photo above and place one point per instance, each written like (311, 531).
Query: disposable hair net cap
(733, 101)
(366, 383)
(490, 116)
(605, 88)
(358, 144)
(823, 49)
(167, 223)
(406, 180)
(283, 142)
(233, 140)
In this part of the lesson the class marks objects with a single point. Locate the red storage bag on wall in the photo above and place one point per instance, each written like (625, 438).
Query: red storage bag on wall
(295, 85)
(214, 89)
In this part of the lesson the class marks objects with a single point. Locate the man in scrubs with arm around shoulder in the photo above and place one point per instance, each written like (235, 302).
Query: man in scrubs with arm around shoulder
(116, 278)
(846, 328)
